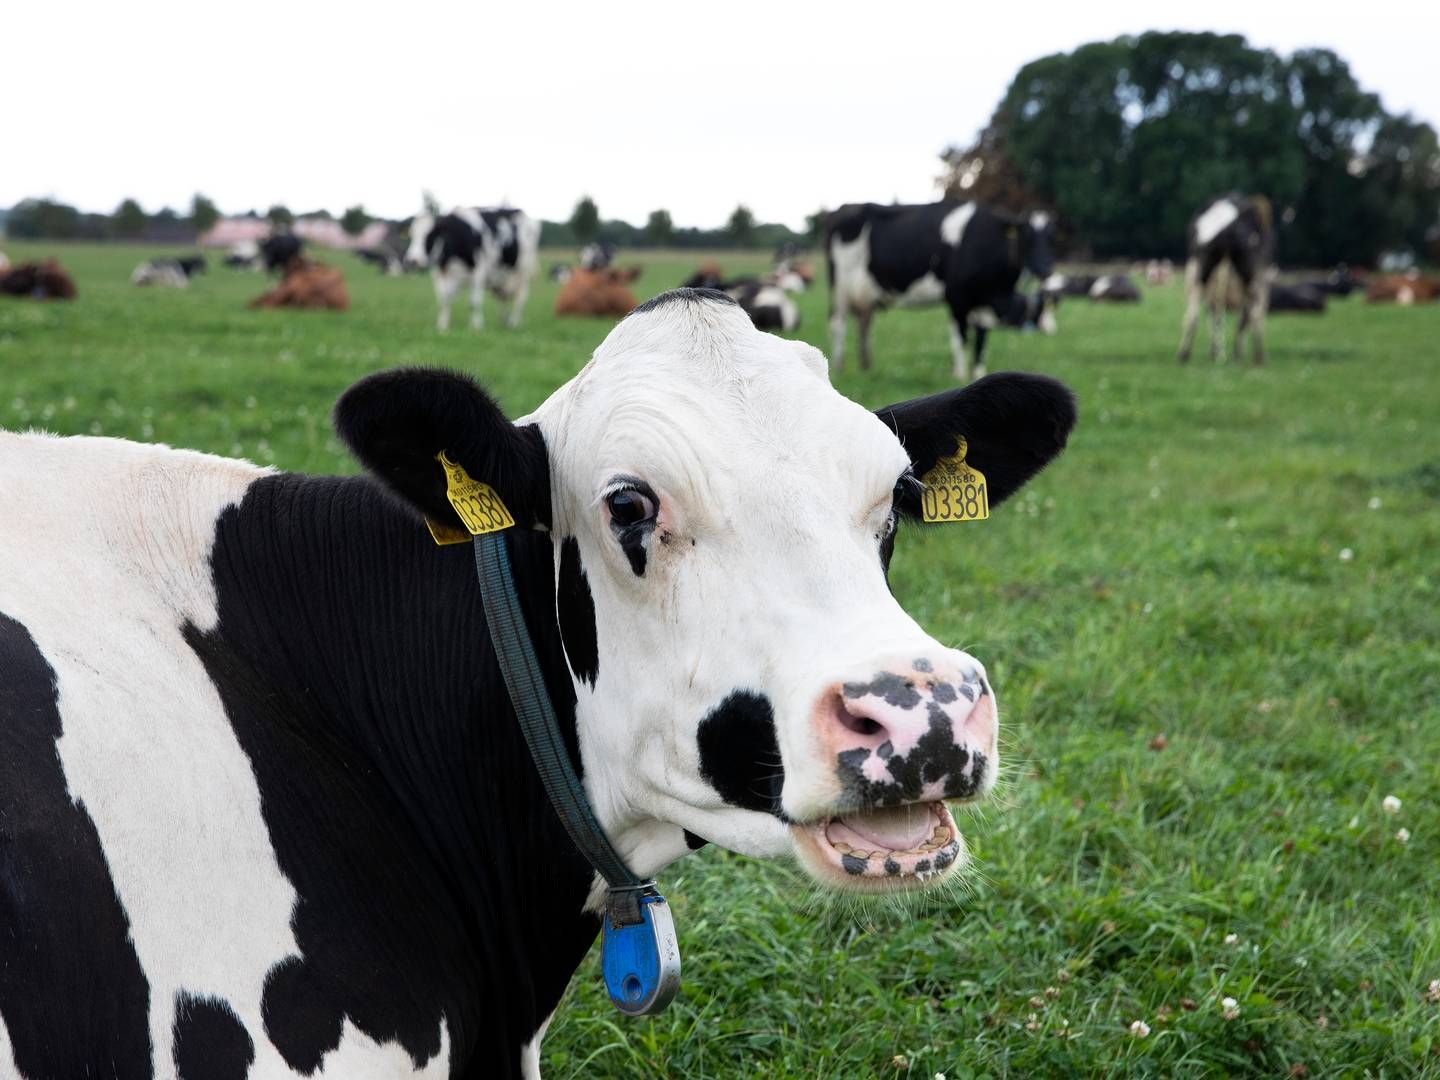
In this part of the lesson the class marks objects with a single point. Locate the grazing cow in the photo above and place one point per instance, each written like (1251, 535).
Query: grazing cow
(598, 292)
(278, 251)
(309, 285)
(1403, 289)
(38, 281)
(174, 273)
(1302, 297)
(494, 249)
(964, 253)
(1231, 237)
(1020, 311)
(265, 806)
(1114, 289)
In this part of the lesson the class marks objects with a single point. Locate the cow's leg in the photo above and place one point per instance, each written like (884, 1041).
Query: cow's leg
(862, 328)
(477, 299)
(517, 303)
(1192, 308)
(981, 333)
(530, 1052)
(837, 332)
(447, 284)
(958, 349)
(1259, 304)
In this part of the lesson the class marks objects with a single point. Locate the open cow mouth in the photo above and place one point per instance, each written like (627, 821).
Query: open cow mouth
(893, 847)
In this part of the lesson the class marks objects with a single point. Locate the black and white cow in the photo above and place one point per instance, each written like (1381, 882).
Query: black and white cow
(175, 273)
(265, 808)
(1232, 248)
(276, 251)
(597, 255)
(494, 249)
(963, 253)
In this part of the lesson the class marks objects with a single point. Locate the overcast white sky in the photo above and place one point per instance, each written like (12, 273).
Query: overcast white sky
(784, 107)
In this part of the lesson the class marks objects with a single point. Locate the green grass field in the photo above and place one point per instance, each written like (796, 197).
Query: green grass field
(1245, 561)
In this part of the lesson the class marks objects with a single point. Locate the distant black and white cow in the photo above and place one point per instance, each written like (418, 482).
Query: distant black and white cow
(963, 253)
(1232, 247)
(597, 256)
(265, 807)
(767, 303)
(175, 273)
(494, 249)
(1114, 289)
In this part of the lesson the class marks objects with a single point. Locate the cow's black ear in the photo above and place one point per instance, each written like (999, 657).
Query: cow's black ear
(396, 422)
(1013, 423)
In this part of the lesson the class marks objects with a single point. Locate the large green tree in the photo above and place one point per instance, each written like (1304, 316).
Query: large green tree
(129, 219)
(741, 226)
(659, 228)
(1128, 138)
(203, 213)
(585, 220)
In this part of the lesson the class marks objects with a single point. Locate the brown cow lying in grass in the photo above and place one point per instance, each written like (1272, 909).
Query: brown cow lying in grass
(38, 281)
(598, 292)
(307, 285)
(1404, 289)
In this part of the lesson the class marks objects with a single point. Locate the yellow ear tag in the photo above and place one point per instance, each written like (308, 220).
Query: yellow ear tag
(444, 534)
(954, 491)
(476, 504)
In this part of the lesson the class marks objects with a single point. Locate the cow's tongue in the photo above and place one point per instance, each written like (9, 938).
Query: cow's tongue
(892, 828)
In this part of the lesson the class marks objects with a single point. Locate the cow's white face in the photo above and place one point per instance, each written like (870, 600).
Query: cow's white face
(415, 254)
(722, 521)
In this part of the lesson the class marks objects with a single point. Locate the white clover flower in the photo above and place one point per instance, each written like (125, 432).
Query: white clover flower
(1375, 502)
(1232, 939)
(1391, 804)
(1403, 835)
(939, 1076)
(1230, 1008)
(1346, 554)
(1140, 1029)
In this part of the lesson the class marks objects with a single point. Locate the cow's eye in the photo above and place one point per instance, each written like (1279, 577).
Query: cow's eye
(630, 507)
(888, 529)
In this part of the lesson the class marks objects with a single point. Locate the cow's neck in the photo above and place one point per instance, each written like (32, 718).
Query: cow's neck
(355, 664)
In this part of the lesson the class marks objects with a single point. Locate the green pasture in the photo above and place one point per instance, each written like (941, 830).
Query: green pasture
(1213, 626)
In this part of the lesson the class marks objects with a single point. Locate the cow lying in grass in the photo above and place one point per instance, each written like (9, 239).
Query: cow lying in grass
(38, 281)
(265, 806)
(309, 285)
(600, 293)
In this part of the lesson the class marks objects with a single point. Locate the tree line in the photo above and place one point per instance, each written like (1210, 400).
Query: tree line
(1126, 139)
(53, 220)
(49, 219)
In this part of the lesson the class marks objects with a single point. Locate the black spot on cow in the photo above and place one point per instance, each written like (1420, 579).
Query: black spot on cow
(924, 665)
(72, 993)
(210, 1041)
(944, 693)
(923, 866)
(892, 867)
(946, 855)
(693, 842)
(934, 757)
(739, 754)
(894, 689)
(576, 610)
(301, 1016)
(853, 864)
(433, 878)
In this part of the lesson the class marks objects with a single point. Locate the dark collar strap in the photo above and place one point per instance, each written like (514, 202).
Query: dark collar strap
(521, 670)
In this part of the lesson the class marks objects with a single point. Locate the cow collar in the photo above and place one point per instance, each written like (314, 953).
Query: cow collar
(640, 955)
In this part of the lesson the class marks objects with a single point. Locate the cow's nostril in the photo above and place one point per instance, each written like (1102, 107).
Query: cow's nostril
(861, 725)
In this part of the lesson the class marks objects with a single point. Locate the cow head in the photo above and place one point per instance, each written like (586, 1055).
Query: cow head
(416, 255)
(1040, 251)
(723, 521)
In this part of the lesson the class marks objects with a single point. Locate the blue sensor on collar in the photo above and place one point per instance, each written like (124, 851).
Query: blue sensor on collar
(641, 960)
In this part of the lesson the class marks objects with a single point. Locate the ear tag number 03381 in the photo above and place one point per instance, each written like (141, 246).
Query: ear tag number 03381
(641, 962)
(955, 490)
(480, 510)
